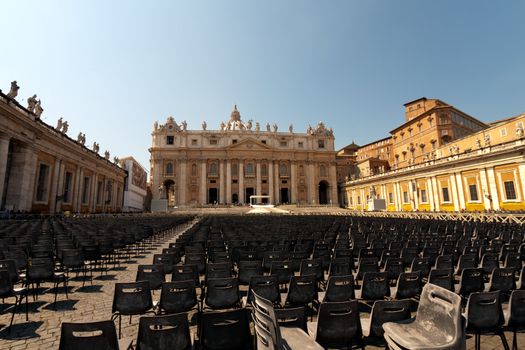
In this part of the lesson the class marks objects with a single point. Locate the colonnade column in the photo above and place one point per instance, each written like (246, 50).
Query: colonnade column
(203, 182)
(270, 182)
(241, 181)
(493, 190)
(182, 183)
(277, 184)
(435, 191)
(312, 188)
(222, 190)
(333, 184)
(77, 192)
(156, 179)
(258, 178)
(4, 151)
(54, 186)
(228, 181)
(28, 178)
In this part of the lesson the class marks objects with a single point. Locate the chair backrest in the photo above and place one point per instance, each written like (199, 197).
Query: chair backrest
(132, 298)
(249, 268)
(164, 332)
(375, 286)
(292, 317)
(10, 266)
(218, 270)
(222, 293)
(186, 272)
(40, 269)
(340, 288)
(502, 279)
(408, 285)
(225, 330)
(198, 259)
(302, 290)
(166, 260)
(443, 278)
(312, 266)
(471, 281)
(283, 270)
(154, 274)
(367, 264)
(394, 267)
(338, 324)
(88, 336)
(489, 261)
(387, 311)
(6, 286)
(420, 264)
(484, 311)
(444, 262)
(516, 315)
(263, 338)
(178, 296)
(440, 309)
(265, 286)
(340, 267)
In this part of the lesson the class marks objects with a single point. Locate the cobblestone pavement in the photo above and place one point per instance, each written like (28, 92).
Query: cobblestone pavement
(93, 303)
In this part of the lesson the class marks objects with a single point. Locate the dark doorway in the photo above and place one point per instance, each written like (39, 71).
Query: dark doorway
(235, 198)
(284, 195)
(249, 192)
(213, 196)
(169, 192)
(264, 200)
(323, 192)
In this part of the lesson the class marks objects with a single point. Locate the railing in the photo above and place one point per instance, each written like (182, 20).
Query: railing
(515, 218)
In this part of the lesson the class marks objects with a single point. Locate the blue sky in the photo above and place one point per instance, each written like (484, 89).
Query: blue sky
(113, 68)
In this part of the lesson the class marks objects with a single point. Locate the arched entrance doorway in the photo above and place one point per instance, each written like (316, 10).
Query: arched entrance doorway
(213, 195)
(323, 192)
(285, 195)
(235, 198)
(169, 192)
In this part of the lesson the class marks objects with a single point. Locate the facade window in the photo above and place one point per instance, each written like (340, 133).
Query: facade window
(109, 187)
(169, 169)
(68, 178)
(390, 198)
(42, 184)
(322, 171)
(194, 142)
(213, 169)
(234, 141)
(264, 170)
(503, 132)
(170, 140)
(358, 199)
(444, 192)
(405, 197)
(249, 169)
(283, 170)
(85, 190)
(213, 142)
(194, 170)
(100, 186)
(300, 144)
(263, 141)
(473, 191)
(424, 198)
(284, 144)
(320, 143)
(510, 190)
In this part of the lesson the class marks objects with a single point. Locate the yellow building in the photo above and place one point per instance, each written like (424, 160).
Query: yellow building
(469, 166)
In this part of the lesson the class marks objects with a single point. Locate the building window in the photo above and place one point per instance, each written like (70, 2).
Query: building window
(444, 192)
(213, 169)
(249, 169)
(358, 199)
(169, 169)
(194, 142)
(322, 171)
(283, 170)
(300, 144)
(264, 170)
(423, 194)
(390, 198)
(109, 190)
(234, 141)
(284, 144)
(85, 190)
(42, 184)
(320, 143)
(405, 197)
(100, 186)
(170, 140)
(510, 190)
(213, 142)
(473, 191)
(263, 141)
(67, 187)
(503, 132)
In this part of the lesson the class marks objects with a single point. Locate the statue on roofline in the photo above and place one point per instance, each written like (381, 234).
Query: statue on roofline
(13, 92)
(31, 103)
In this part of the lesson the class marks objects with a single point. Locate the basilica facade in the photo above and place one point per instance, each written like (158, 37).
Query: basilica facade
(241, 159)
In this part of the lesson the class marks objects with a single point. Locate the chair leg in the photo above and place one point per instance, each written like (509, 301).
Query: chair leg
(27, 316)
(503, 339)
(514, 340)
(477, 341)
(13, 315)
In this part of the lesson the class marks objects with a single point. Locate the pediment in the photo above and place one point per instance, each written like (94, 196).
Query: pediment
(249, 144)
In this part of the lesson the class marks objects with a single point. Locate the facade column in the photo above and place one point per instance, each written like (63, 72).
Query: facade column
(77, 189)
(53, 193)
(399, 201)
(277, 183)
(312, 189)
(203, 183)
(521, 169)
(293, 182)
(182, 183)
(28, 178)
(461, 192)
(491, 179)
(4, 152)
(241, 181)
(157, 169)
(270, 182)
(221, 182)
(436, 193)
(228, 181)
(485, 190)
(258, 178)
(430, 194)
(333, 184)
